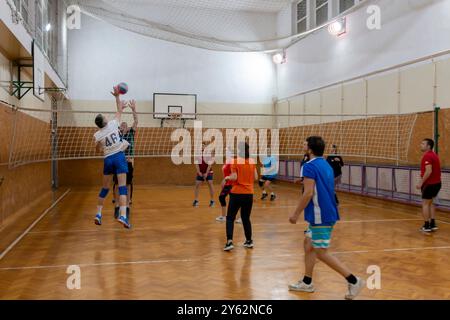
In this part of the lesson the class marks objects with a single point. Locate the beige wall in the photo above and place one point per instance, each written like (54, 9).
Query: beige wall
(72, 117)
(406, 90)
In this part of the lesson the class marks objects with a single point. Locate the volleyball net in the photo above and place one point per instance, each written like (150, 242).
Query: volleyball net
(42, 135)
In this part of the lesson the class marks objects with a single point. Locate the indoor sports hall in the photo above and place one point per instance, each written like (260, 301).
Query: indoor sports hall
(195, 80)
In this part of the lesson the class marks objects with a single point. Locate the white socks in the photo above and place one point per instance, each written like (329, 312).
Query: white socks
(123, 211)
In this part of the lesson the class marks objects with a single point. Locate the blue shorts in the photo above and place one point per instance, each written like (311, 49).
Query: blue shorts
(115, 164)
(208, 178)
(269, 178)
(320, 235)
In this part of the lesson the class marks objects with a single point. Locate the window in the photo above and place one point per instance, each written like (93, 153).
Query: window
(321, 12)
(344, 5)
(39, 23)
(302, 16)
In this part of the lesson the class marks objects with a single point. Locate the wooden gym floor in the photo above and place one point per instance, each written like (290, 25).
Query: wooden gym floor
(174, 251)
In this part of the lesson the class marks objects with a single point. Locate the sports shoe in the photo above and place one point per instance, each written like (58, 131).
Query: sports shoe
(302, 287)
(264, 196)
(273, 197)
(355, 289)
(195, 203)
(212, 204)
(239, 221)
(433, 227)
(98, 219)
(116, 212)
(221, 219)
(426, 229)
(124, 222)
(229, 246)
(248, 244)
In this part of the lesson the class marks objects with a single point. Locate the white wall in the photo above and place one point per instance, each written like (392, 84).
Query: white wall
(285, 22)
(101, 55)
(410, 29)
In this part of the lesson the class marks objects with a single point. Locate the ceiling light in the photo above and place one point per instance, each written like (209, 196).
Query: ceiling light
(338, 27)
(279, 58)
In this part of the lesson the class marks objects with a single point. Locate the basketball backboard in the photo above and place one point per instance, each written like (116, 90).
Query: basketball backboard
(38, 72)
(169, 103)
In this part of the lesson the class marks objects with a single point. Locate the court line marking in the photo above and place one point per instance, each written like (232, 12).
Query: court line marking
(12, 245)
(253, 224)
(141, 262)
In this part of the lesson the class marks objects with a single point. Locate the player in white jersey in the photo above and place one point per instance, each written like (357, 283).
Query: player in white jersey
(110, 141)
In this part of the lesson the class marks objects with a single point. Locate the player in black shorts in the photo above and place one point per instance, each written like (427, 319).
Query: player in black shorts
(430, 184)
(128, 134)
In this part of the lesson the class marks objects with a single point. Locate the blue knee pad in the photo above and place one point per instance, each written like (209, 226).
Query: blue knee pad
(103, 193)
(123, 191)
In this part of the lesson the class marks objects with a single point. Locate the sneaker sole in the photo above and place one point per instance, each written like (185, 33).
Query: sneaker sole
(248, 247)
(363, 284)
(228, 249)
(302, 290)
(127, 226)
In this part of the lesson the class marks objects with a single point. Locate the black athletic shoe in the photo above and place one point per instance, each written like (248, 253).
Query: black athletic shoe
(248, 244)
(433, 227)
(116, 212)
(195, 203)
(264, 196)
(426, 229)
(272, 197)
(229, 246)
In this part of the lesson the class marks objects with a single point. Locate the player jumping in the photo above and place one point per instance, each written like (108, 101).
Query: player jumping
(109, 140)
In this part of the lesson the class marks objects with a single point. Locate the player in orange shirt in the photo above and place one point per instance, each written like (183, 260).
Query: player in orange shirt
(243, 175)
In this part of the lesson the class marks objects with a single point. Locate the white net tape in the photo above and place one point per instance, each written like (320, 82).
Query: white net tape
(363, 138)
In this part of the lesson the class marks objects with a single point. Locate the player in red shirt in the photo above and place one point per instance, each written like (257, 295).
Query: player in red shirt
(430, 183)
(204, 174)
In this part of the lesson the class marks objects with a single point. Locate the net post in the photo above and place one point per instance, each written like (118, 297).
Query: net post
(436, 128)
(54, 143)
(13, 136)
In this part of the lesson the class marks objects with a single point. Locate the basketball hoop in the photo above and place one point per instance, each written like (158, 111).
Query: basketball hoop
(177, 117)
(174, 116)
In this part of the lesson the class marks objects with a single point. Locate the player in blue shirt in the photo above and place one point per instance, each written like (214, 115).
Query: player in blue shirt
(319, 204)
(269, 172)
